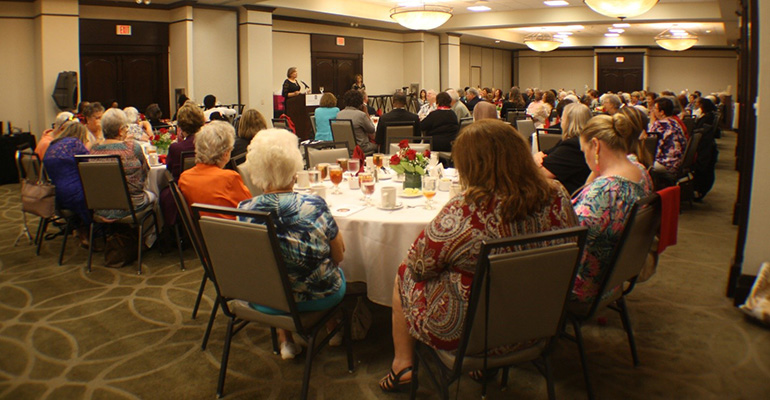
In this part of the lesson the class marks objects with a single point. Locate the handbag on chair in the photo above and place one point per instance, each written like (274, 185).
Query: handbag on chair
(38, 197)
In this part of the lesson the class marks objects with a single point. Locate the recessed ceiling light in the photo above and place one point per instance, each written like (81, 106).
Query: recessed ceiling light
(556, 3)
(621, 25)
(497, 41)
(478, 8)
(616, 30)
(565, 33)
(708, 31)
(611, 34)
(551, 28)
(561, 36)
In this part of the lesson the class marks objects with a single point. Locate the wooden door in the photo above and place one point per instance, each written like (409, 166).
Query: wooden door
(336, 73)
(99, 78)
(620, 72)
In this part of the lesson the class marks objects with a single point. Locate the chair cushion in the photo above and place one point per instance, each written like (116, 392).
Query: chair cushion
(244, 311)
(474, 363)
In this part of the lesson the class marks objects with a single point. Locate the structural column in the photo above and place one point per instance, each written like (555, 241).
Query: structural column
(180, 57)
(255, 28)
(449, 48)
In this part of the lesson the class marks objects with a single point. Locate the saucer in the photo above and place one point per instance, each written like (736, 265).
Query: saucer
(410, 196)
(396, 207)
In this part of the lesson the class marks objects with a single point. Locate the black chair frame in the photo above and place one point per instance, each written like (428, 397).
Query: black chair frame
(323, 145)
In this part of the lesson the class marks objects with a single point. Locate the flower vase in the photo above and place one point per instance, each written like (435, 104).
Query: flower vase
(413, 181)
(162, 151)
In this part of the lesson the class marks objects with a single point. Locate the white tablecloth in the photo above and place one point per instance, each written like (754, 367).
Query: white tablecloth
(376, 241)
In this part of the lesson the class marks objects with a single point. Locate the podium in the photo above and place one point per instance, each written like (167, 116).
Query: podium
(296, 110)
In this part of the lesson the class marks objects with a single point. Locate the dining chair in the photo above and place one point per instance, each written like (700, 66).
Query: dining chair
(515, 115)
(280, 123)
(465, 122)
(246, 177)
(651, 144)
(312, 123)
(526, 278)
(325, 152)
(684, 174)
(399, 128)
(342, 131)
(27, 165)
(547, 141)
(417, 143)
(105, 188)
(236, 161)
(186, 160)
(619, 278)
(248, 268)
(526, 127)
(177, 234)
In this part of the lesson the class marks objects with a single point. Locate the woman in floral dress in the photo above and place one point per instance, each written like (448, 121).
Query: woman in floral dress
(505, 196)
(604, 204)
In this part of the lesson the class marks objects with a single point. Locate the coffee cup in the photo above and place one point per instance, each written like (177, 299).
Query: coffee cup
(388, 196)
(314, 177)
(455, 189)
(444, 184)
(303, 179)
(319, 190)
(152, 158)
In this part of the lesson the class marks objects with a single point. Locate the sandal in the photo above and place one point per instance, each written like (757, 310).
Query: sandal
(392, 382)
(482, 376)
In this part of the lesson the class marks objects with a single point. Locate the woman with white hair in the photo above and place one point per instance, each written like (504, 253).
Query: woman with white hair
(565, 162)
(51, 134)
(137, 129)
(207, 182)
(310, 240)
(115, 130)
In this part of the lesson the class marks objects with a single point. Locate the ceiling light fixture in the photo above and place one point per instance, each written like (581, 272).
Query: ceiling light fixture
(421, 17)
(479, 8)
(676, 39)
(556, 3)
(621, 8)
(623, 25)
(611, 34)
(616, 30)
(542, 41)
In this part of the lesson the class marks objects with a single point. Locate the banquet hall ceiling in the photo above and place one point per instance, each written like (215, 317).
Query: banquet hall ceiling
(714, 21)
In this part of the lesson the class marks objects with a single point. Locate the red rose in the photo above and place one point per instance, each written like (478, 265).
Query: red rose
(156, 137)
(403, 144)
(395, 160)
(426, 153)
(163, 130)
(173, 137)
(411, 154)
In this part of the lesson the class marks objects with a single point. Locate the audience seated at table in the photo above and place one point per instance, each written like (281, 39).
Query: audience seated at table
(484, 110)
(153, 113)
(458, 106)
(210, 107)
(498, 98)
(252, 121)
(323, 114)
(60, 165)
(515, 102)
(398, 114)
(441, 124)
(137, 129)
(472, 98)
(635, 142)
(604, 203)
(671, 139)
(207, 182)
(189, 122)
(50, 134)
(429, 106)
(371, 111)
(115, 129)
(556, 125)
(310, 241)
(565, 162)
(363, 128)
(610, 103)
(504, 196)
(93, 114)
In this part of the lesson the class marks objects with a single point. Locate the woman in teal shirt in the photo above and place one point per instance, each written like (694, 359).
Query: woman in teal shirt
(327, 111)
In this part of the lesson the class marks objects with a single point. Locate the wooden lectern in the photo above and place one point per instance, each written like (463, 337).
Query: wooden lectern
(295, 109)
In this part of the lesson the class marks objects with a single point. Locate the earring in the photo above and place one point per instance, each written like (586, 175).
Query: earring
(596, 161)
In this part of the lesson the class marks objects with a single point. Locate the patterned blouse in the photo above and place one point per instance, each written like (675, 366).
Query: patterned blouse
(602, 206)
(305, 229)
(136, 169)
(671, 143)
(435, 279)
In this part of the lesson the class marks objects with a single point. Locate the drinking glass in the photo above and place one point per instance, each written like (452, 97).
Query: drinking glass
(343, 163)
(335, 175)
(354, 165)
(315, 177)
(366, 181)
(321, 88)
(428, 190)
(378, 158)
(323, 168)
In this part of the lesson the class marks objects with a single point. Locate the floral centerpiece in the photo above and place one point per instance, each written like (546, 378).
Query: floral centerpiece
(163, 138)
(410, 163)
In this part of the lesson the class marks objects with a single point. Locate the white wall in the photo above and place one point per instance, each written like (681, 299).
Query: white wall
(291, 50)
(567, 69)
(757, 250)
(495, 66)
(707, 71)
(432, 62)
(215, 55)
(381, 63)
(17, 103)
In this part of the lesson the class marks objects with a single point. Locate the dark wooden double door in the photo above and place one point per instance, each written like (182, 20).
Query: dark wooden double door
(620, 72)
(335, 72)
(136, 80)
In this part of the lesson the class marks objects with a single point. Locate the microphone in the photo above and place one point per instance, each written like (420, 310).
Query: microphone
(306, 86)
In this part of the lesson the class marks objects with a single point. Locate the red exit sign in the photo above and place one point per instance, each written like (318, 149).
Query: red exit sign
(123, 30)
(340, 41)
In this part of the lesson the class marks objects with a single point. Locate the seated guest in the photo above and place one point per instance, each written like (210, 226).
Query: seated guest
(565, 162)
(310, 241)
(369, 109)
(604, 204)
(515, 102)
(484, 110)
(50, 134)
(115, 129)
(179, 103)
(458, 106)
(154, 114)
(190, 121)
(429, 106)
(137, 129)
(398, 114)
(323, 114)
(363, 128)
(252, 121)
(210, 107)
(207, 182)
(705, 163)
(559, 112)
(62, 169)
(504, 196)
(671, 139)
(497, 97)
(441, 124)
(472, 96)
(635, 143)
(610, 103)
(93, 114)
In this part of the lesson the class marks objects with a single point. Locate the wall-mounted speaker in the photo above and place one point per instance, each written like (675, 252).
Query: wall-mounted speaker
(65, 93)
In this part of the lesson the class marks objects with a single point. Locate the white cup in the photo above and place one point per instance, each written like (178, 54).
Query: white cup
(455, 190)
(314, 176)
(444, 184)
(319, 190)
(303, 179)
(388, 196)
(153, 159)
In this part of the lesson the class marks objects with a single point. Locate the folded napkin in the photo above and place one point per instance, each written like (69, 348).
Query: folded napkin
(669, 216)
(162, 158)
(359, 154)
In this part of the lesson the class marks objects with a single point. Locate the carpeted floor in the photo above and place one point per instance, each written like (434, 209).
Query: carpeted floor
(110, 334)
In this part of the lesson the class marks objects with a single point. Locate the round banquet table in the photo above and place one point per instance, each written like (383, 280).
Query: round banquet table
(376, 240)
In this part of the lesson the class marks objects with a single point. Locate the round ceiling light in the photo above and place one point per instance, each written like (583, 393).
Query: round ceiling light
(422, 17)
(621, 8)
(542, 41)
(676, 39)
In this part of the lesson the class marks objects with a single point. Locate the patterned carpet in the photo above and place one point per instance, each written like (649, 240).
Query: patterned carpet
(110, 334)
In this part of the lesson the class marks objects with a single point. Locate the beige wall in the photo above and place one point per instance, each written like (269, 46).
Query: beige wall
(17, 102)
(382, 62)
(291, 50)
(494, 65)
(215, 55)
(567, 69)
(704, 70)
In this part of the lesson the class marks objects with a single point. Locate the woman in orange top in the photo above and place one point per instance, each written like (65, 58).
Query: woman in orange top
(207, 182)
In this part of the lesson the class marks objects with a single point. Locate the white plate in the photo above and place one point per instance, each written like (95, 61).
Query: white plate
(396, 207)
(410, 196)
(302, 188)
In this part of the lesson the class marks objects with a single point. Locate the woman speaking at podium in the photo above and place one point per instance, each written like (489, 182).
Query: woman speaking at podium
(291, 86)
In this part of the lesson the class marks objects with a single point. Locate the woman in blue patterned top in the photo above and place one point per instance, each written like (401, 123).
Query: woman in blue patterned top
(671, 139)
(310, 241)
